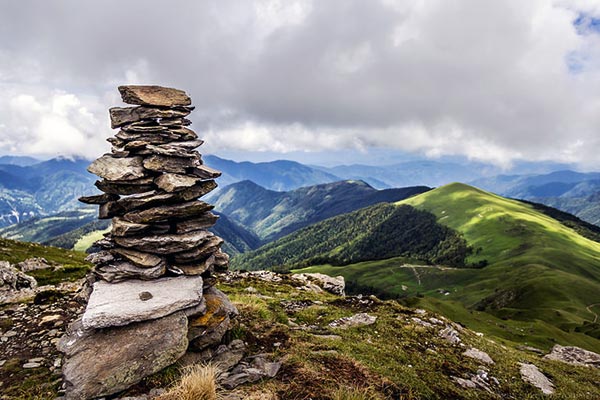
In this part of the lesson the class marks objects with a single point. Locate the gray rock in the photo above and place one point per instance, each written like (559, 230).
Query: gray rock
(450, 335)
(165, 244)
(170, 163)
(99, 199)
(532, 375)
(107, 361)
(13, 279)
(136, 201)
(479, 355)
(361, 319)
(154, 96)
(121, 270)
(248, 371)
(118, 169)
(161, 213)
(141, 259)
(120, 116)
(198, 190)
(142, 185)
(574, 355)
(335, 285)
(205, 172)
(117, 304)
(33, 264)
(200, 252)
(224, 357)
(203, 221)
(121, 227)
(175, 182)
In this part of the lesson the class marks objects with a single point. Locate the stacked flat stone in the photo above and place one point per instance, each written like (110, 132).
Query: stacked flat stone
(159, 226)
(152, 297)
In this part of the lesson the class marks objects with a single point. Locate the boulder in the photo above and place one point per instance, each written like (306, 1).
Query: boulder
(118, 169)
(117, 304)
(107, 361)
(165, 244)
(154, 96)
(574, 355)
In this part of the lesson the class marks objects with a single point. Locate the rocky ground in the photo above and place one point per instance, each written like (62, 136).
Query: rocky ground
(295, 340)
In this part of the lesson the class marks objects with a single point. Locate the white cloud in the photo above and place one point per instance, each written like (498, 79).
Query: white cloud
(494, 81)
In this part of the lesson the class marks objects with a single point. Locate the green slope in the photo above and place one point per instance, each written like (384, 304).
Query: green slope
(539, 270)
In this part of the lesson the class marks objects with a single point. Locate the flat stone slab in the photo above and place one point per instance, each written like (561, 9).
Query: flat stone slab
(532, 375)
(118, 304)
(154, 96)
(574, 355)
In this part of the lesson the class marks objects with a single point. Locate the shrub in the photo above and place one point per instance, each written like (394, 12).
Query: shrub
(198, 382)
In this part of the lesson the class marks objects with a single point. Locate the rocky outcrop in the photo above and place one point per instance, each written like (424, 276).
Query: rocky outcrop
(574, 355)
(152, 295)
(11, 279)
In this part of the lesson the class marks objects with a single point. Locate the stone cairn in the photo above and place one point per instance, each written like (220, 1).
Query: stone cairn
(153, 296)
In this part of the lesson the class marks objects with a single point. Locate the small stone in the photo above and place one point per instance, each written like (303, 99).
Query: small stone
(356, 320)
(168, 163)
(450, 335)
(205, 172)
(30, 365)
(478, 355)
(203, 221)
(145, 296)
(142, 185)
(154, 96)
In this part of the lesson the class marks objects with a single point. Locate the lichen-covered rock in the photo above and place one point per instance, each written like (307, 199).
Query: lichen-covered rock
(13, 279)
(107, 361)
(532, 375)
(208, 329)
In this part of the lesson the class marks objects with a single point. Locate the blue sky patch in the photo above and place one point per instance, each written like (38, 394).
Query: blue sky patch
(586, 24)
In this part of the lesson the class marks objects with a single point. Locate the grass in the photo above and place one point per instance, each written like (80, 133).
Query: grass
(198, 382)
(541, 276)
(86, 241)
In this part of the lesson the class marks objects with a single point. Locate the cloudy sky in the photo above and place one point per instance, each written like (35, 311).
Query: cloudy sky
(493, 80)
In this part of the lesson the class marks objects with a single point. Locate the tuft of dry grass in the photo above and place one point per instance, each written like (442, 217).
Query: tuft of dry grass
(352, 393)
(197, 382)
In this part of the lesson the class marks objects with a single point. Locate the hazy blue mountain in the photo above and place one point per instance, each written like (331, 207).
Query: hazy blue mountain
(43, 188)
(275, 175)
(411, 173)
(22, 161)
(271, 214)
(577, 193)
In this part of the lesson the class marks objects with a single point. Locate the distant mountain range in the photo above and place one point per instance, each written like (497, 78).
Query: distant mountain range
(271, 215)
(574, 192)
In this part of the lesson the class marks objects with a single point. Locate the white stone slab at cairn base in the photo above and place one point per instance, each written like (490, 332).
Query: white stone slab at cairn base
(118, 304)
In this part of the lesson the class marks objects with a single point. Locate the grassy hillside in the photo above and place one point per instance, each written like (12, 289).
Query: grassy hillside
(72, 262)
(272, 215)
(377, 232)
(538, 269)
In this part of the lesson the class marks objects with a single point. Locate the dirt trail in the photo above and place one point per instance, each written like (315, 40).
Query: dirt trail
(589, 308)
